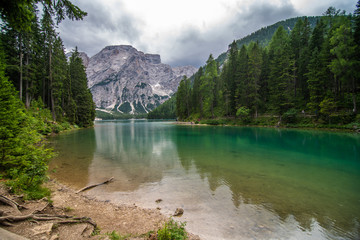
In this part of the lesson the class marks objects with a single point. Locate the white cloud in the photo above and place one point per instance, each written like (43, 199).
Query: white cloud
(182, 31)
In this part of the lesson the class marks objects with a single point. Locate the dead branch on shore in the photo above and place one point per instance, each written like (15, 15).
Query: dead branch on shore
(95, 185)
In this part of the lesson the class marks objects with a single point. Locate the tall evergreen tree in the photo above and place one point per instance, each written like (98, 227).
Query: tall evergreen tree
(241, 80)
(196, 93)
(80, 94)
(344, 64)
(281, 80)
(254, 73)
(207, 87)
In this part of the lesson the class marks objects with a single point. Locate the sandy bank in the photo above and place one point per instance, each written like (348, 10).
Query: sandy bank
(131, 221)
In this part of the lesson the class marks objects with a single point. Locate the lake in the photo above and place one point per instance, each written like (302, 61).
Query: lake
(232, 182)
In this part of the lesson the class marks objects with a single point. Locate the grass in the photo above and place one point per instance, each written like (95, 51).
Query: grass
(172, 230)
(116, 236)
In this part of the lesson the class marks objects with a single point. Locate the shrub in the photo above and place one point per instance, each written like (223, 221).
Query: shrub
(290, 116)
(172, 230)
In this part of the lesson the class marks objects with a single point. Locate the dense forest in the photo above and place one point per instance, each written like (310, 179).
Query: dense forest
(264, 35)
(40, 90)
(302, 76)
(167, 110)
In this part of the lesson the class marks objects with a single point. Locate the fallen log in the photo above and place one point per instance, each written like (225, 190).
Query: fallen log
(95, 185)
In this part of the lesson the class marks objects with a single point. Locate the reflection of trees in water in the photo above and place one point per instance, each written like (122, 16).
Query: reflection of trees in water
(75, 152)
(304, 174)
(134, 152)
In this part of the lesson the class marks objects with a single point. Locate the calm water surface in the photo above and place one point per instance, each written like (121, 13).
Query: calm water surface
(232, 182)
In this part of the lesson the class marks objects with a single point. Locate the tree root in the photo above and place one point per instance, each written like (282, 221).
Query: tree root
(57, 219)
(11, 203)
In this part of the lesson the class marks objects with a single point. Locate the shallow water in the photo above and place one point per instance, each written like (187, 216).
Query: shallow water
(232, 182)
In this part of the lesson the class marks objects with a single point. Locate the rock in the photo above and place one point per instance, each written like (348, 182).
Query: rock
(74, 231)
(126, 80)
(178, 212)
(44, 228)
(6, 235)
(54, 237)
(158, 200)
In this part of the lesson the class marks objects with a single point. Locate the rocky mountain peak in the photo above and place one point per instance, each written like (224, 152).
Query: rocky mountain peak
(126, 80)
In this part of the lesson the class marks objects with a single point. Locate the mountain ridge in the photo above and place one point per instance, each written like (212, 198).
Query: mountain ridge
(128, 81)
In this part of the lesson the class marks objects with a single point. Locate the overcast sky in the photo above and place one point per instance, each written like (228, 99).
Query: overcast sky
(183, 32)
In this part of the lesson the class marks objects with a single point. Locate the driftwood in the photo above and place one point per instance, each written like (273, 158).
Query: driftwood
(95, 185)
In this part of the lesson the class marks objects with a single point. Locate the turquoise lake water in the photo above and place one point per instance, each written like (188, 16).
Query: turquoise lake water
(232, 182)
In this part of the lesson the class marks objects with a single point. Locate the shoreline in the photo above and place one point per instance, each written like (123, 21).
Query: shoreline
(128, 221)
(298, 127)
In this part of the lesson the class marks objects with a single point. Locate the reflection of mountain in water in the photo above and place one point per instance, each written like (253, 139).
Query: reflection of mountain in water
(134, 152)
(310, 176)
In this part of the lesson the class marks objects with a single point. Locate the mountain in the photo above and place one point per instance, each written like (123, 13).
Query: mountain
(126, 80)
(264, 35)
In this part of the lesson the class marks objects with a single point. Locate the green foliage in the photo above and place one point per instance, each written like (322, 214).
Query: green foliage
(19, 13)
(36, 66)
(290, 116)
(23, 153)
(243, 112)
(80, 96)
(172, 230)
(264, 35)
(116, 236)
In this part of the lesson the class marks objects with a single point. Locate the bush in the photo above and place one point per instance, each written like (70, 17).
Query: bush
(290, 116)
(243, 113)
(172, 231)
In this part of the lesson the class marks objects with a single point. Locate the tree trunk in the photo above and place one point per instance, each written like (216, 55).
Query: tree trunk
(27, 94)
(51, 89)
(21, 68)
(354, 95)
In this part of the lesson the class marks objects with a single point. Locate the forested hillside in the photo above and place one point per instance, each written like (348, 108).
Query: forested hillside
(306, 75)
(41, 92)
(264, 35)
(167, 110)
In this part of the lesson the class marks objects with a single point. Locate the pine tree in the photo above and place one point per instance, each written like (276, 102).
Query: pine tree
(60, 74)
(281, 81)
(207, 87)
(254, 73)
(48, 30)
(81, 96)
(23, 156)
(241, 81)
(196, 93)
(344, 65)
(230, 80)
(183, 98)
(299, 41)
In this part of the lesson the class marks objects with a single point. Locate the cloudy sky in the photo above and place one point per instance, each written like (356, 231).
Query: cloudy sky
(183, 32)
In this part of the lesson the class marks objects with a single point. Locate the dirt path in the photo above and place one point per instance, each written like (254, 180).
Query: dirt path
(130, 222)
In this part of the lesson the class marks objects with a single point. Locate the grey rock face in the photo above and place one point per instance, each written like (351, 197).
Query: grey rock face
(129, 81)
